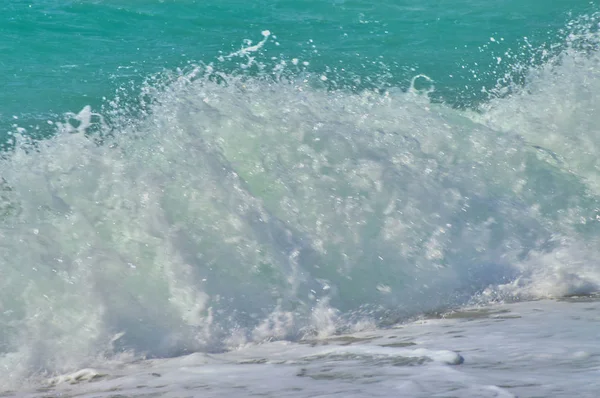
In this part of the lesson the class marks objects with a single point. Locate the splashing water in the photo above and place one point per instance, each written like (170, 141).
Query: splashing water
(237, 209)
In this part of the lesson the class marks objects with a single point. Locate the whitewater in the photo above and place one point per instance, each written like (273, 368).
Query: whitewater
(265, 231)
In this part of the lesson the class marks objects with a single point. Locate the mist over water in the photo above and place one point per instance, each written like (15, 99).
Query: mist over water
(230, 207)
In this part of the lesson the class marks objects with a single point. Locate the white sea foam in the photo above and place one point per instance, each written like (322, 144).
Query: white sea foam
(236, 210)
(516, 350)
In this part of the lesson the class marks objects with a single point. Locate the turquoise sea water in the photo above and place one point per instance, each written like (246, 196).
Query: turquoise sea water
(61, 55)
(184, 176)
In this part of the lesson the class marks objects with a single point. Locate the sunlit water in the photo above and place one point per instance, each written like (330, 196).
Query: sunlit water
(256, 225)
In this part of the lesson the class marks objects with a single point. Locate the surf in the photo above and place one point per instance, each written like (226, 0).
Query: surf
(231, 208)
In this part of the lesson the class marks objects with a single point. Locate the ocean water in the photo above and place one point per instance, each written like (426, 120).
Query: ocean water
(299, 198)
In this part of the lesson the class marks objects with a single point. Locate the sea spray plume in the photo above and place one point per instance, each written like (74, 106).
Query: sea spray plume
(149, 220)
(555, 115)
(239, 209)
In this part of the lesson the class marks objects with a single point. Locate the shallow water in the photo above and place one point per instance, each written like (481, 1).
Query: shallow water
(523, 349)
